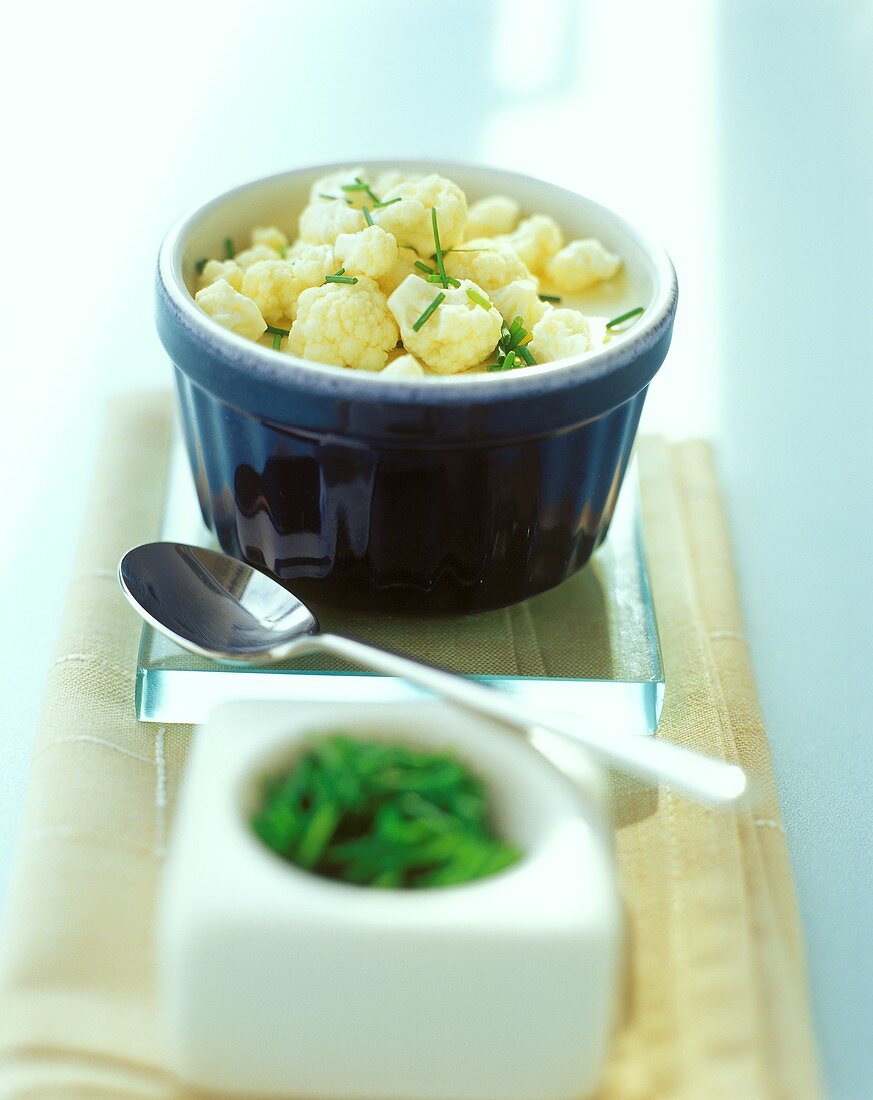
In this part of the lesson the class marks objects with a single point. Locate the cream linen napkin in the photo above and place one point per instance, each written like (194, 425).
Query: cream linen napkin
(716, 1000)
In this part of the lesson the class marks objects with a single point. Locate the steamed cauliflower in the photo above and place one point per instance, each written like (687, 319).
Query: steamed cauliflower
(536, 240)
(458, 334)
(404, 265)
(323, 221)
(488, 263)
(347, 325)
(559, 334)
(409, 220)
(231, 309)
(492, 216)
(579, 265)
(213, 270)
(271, 236)
(363, 269)
(275, 285)
(255, 254)
(520, 299)
(344, 184)
(371, 252)
(312, 264)
(271, 285)
(404, 366)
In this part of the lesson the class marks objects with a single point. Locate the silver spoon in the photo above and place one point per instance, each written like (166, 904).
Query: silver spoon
(224, 609)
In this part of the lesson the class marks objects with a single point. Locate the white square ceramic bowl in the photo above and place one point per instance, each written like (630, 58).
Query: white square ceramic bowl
(276, 982)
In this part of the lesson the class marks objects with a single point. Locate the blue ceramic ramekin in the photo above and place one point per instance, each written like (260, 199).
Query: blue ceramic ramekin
(432, 495)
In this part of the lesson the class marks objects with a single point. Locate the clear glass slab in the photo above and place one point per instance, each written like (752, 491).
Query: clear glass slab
(588, 647)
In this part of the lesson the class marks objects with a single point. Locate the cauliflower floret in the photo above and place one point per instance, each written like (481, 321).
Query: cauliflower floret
(410, 219)
(493, 215)
(312, 264)
(371, 252)
(213, 270)
(276, 285)
(271, 236)
(404, 366)
(486, 262)
(536, 240)
(255, 254)
(348, 325)
(581, 264)
(231, 309)
(403, 266)
(273, 287)
(520, 299)
(559, 334)
(458, 334)
(322, 222)
(331, 186)
(388, 180)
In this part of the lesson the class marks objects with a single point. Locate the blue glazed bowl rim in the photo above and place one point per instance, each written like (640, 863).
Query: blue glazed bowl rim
(247, 359)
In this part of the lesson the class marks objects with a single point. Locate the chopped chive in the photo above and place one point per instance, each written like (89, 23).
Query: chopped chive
(333, 198)
(200, 265)
(388, 202)
(277, 341)
(283, 251)
(509, 361)
(422, 266)
(341, 277)
(228, 248)
(359, 185)
(438, 255)
(517, 332)
(274, 330)
(527, 356)
(625, 317)
(478, 298)
(549, 298)
(436, 278)
(430, 309)
(367, 217)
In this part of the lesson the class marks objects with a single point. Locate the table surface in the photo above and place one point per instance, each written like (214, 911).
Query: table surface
(767, 209)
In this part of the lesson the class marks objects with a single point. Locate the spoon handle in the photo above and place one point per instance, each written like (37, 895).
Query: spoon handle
(702, 778)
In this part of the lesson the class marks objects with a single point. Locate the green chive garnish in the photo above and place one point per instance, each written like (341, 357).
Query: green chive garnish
(422, 266)
(228, 248)
(510, 347)
(341, 277)
(274, 330)
(333, 198)
(430, 309)
(388, 202)
(436, 278)
(438, 255)
(367, 217)
(625, 317)
(277, 341)
(200, 265)
(549, 298)
(359, 185)
(381, 814)
(478, 298)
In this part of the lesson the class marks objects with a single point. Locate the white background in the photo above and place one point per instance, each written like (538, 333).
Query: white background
(738, 133)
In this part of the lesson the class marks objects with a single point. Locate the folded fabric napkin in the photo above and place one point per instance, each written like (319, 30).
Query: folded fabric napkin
(716, 1000)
